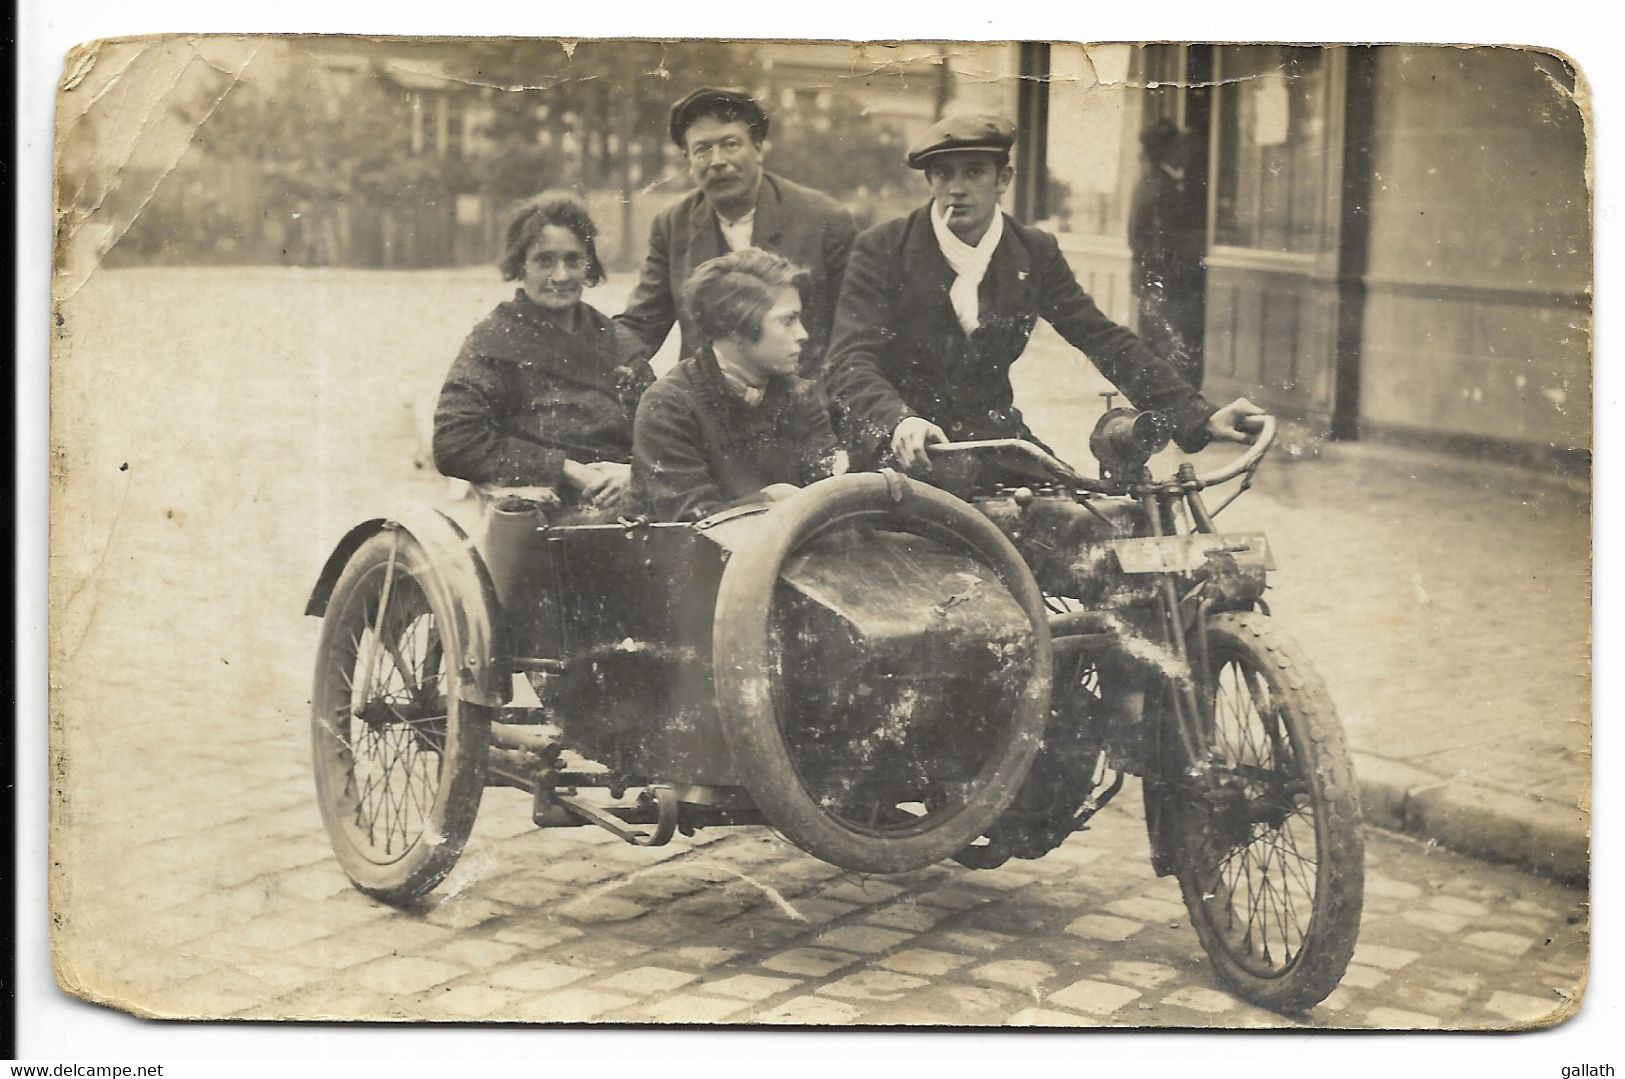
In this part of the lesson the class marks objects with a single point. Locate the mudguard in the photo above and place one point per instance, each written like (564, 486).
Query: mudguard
(483, 674)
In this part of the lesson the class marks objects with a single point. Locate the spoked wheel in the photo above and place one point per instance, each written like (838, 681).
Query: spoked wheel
(1270, 857)
(399, 758)
(890, 757)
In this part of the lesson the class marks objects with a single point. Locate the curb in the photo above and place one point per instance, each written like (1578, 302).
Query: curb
(1468, 818)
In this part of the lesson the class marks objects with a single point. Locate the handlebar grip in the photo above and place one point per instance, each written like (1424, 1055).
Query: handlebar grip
(1244, 463)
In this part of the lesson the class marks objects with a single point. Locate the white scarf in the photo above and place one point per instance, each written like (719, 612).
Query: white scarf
(970, 263)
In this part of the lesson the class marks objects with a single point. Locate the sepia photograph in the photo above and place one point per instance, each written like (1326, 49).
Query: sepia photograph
(857, 534)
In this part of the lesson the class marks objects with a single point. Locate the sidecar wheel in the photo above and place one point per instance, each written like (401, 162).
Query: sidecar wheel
(1268, 848)
(890, 817)
(399, 757)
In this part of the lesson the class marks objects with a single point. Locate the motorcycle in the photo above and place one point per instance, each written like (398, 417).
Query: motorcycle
(888, 672)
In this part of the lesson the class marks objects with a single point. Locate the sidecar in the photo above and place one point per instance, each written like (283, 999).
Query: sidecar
(865, 666)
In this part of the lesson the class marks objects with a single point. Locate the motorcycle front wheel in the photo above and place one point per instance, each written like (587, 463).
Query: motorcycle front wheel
(1266, 821)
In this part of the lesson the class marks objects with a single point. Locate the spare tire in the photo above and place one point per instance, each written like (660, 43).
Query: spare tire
(900, 777)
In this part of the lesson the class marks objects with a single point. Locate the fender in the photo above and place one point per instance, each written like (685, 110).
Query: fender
(484, 677)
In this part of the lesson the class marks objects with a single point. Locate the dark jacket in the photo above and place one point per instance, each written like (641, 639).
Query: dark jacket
(805, 226)
(898, 350)
(697, 446)
(523, 395)
(1167, 233)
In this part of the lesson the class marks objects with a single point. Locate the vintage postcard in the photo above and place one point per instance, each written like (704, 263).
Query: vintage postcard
(918, 533)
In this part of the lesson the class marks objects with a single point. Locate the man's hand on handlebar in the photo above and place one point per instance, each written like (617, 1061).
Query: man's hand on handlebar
(1235, 422)
(909, 440)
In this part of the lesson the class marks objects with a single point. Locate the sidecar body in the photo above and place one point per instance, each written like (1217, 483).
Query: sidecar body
(864, 666)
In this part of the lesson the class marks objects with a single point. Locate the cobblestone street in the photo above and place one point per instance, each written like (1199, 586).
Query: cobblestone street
(212, 464)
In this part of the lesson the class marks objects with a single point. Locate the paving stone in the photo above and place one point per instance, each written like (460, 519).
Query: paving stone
(1104, 927)
(1399, 1019)
(1015, 973)
(686, 1008)
(537, 974)
(951, 898)
(597, 952)
(1147, 908)
(809, 962)
(864, 893)
(344, 950)
(468, 1001)
(215, 995)
(924, 962)
(1451, 904)
(1045, 1017)
(977, 940)
(1389, 888)
(862, 938)
(700, 957)
(580, 871)
(753, 987)
(568, 1006)
(465, 913)
(811, 911)
(1520, 1007)
(872, 985)
(1426, 999)
(536, 935)
(284, 931)
(149, 969)
(474, 954)
(810, 1011)
(1363, 977)
(1539, 910)
(1077, 851)
(400, 975)
(1094, 998)
(908, 916)
(1507, 944)
(1436, 921)
(1382, 957)
(1197, 999)
(599, 909)
(1459, 982)
(644, 981)
(1141, 975)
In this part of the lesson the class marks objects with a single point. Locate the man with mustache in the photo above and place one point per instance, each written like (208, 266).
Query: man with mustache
(736, 204)
(938, 305)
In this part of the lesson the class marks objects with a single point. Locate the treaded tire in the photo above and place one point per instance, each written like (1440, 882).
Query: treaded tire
(742, 652)
(399, 774)
(1309, 760)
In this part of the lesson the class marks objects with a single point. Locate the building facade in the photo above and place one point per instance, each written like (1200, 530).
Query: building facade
(1398, 237)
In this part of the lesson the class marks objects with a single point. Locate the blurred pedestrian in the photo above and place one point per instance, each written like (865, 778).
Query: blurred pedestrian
(539, 395)
(1167, 234)
(736, 204)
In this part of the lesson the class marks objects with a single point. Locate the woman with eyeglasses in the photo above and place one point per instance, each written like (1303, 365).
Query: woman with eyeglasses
(539, 396)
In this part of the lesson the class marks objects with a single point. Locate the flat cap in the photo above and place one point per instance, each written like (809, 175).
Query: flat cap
(718, 100)
(991, 134)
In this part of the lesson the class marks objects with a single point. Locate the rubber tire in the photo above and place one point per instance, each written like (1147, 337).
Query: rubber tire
(1311, 725)
(742, 662)
(461, 773)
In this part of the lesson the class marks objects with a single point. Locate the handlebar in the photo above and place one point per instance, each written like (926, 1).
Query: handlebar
(1247, 461)
(1019, 455)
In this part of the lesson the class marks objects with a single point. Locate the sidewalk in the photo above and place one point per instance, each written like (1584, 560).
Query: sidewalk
(1455, 636)
(1447, 603)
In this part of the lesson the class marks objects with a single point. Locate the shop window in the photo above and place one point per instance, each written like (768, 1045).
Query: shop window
(1271, 148)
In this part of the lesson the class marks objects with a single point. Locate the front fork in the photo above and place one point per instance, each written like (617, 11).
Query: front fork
(1187, 714)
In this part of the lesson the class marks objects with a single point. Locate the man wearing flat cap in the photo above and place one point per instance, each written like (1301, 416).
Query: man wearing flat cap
(735, 205)
(936, 306)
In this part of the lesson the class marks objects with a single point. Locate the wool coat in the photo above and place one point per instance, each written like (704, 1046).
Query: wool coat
(898, 349)
(807, 227)
(698, 447)
(525, 394)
